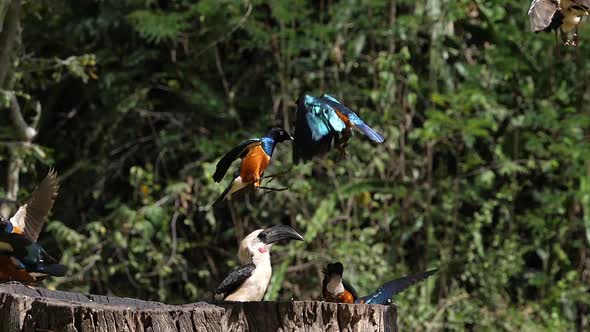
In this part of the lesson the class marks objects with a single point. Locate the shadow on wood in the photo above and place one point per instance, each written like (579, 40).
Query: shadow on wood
(38, 309)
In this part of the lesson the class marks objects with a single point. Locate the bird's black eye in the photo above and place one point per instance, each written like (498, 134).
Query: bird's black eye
(282, 132)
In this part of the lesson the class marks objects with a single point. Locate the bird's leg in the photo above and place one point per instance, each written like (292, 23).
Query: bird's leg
(557, 46)
(575, 42)
(564, 38)
(274, 176)
(269, 189)
(342, 141)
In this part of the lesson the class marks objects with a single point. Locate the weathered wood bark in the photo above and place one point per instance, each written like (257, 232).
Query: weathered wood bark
(37, 309)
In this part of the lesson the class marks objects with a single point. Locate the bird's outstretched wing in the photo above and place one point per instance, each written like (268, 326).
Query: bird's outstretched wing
(544, 16)
(30, 217)
(235, 153)
(354, 119)
(384, 293)
(235, 279)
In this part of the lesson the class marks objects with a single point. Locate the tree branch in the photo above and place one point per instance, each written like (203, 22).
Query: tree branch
(10, 30)
(26, 132)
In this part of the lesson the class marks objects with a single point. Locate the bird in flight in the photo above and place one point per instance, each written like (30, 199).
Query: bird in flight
(562, 15)
(21, 257)
(255, 154)
(323, 120)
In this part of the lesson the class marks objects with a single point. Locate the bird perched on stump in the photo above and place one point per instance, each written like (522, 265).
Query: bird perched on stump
(322, 120)
(21, 257)
(562, 15)
(336, 289)
(255, 154)
(249, 281)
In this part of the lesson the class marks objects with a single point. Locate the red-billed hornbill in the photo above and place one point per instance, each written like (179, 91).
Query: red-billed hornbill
(565, 15)
(336, 289)
(249, 281)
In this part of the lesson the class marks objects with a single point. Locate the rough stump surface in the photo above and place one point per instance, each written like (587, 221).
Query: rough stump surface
(41, 310)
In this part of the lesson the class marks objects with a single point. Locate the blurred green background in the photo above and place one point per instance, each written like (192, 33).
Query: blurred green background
(484, 172)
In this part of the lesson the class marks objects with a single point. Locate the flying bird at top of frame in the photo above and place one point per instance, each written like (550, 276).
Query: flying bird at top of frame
(562, 15)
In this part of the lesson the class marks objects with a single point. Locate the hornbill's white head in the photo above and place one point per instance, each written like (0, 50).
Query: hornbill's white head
(259, 242)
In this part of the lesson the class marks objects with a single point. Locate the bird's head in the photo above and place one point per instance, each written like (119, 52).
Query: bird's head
(5, 225)
(260, 241)
(333, 278)
(579, 9)
(307, 100)
(279, 134)
(334, 269)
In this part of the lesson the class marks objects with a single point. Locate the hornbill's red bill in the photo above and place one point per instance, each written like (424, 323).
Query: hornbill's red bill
(21, 257)
(336, 289)
(249, 281)
(255, 154)
(562, 15)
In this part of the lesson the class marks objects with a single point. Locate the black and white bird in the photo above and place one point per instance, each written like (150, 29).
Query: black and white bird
(249, 281)
(562, 15)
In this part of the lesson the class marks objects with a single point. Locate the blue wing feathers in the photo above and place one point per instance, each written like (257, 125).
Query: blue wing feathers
(384, 293)
(318, 122)
(369, 132)
(353, 118)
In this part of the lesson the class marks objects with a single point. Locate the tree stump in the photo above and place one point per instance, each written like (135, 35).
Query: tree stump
(38, 309)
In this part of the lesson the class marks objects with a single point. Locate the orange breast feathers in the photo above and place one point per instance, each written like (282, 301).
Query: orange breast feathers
(9, 272)
(344, 297)
(253, 165)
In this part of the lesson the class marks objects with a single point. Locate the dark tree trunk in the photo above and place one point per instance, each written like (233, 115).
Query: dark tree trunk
(37, 309)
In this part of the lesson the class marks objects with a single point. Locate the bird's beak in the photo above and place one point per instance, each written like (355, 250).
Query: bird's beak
(278, 233)
(291, 138)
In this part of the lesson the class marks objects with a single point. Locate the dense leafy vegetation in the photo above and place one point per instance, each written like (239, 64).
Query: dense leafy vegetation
(484, 171)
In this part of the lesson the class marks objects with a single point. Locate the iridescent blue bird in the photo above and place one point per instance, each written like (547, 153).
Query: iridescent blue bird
(336, 289)
(255, 154)
(323, 120)
(21, 257)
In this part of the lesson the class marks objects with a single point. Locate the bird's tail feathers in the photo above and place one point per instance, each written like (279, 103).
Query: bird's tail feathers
(56, 270)
(370, 133)
(222, 197)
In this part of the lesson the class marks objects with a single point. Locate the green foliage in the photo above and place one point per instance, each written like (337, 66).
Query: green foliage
(483, 174)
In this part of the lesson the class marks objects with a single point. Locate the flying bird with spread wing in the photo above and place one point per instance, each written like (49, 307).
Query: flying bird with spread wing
(322, 121)
(336, 289)
(255, 154)
(21, 257)
(562, 15)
